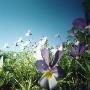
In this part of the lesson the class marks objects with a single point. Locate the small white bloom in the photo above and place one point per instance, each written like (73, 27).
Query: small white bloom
(37, 53)
(28, 33)
(24, 45)
(53, 51)
(77, 43)
(42, 41)
(6, 45)
(15, 54)
(27, 43)
(60, 47)
(1, 62)
(57, 35)
(37, 49)
(19, 40)
(57, 48)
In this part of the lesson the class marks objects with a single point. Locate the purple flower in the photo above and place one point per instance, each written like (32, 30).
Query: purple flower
(80, 23)
(78, 50)
(49, 69)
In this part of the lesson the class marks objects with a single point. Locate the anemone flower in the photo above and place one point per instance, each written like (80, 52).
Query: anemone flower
(78, 50)
(80, 23)
(50, 70)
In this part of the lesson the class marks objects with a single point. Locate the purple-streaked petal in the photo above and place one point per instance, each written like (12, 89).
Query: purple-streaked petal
(41, 66)
(53, 83)
(78, 50)
(74, 51)
(58, 72)
(44, 53)
(58, 56)
(43, 82)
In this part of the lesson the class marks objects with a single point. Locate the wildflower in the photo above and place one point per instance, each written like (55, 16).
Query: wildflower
(60, 47)
(38, 47)
(37, 53)
(15, 54)
(53, 50)
(28, 33)
(6, 45)
(57, 35)
(50, 70)
(24, 45)
(19, 40)
(42, 41)
(80, 23)
(78, 50)
(77, 43)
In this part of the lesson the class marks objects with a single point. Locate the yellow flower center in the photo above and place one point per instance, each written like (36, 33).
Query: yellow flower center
(77, 57)
(48, 74)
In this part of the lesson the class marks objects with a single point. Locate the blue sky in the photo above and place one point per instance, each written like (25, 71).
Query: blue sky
(43, 17)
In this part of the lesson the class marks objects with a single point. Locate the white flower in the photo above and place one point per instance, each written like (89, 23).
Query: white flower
(37, 49)
(24, 45)
(77, 43)
(60, 47)
(53, 51)
(15, 54)
(28, 33)
(37, 53)
(42, 41)
(6, 45)
(57, 35)
(1, 61)
(27, 43)
(19, 40)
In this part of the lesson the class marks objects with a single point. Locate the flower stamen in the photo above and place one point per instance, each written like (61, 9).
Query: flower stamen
(48, 74)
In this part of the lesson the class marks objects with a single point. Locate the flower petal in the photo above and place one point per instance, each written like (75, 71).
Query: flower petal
(44, 53)
(74, 51)
(41, 66)
(58, 72)
(43, 82)
(58, 56)
(79, 22)
(82, 48)
(53, 83)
